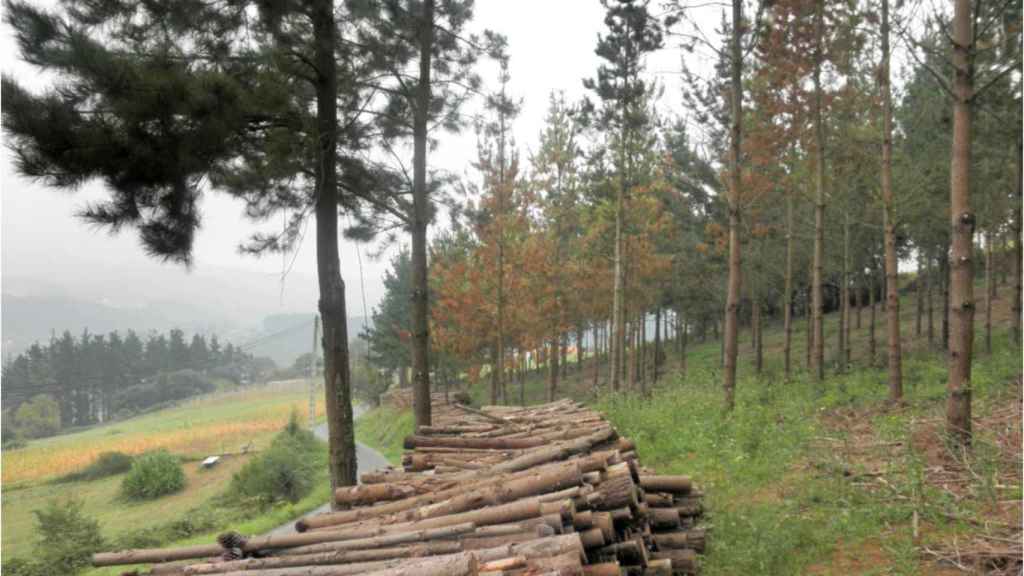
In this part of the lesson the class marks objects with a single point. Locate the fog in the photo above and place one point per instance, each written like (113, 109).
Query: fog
(48, 254)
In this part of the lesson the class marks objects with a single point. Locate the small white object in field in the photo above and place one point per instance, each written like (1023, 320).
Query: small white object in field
(211, 461)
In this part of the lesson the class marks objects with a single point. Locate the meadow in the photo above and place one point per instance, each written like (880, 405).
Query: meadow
(224, 422)
(213, 424)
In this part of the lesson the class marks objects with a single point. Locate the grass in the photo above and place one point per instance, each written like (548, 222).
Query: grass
(384, 429)
(793, 481)
(222, 422)
(780, 502)
(199, 427)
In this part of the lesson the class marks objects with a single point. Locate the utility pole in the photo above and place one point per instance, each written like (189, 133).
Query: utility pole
(312, 372)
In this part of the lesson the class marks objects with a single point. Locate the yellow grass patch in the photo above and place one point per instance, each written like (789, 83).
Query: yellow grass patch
(223, 429)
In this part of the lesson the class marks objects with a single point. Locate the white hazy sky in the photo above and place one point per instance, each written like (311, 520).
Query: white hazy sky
(551, 46)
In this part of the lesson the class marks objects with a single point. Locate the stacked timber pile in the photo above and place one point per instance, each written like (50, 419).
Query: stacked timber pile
(549, 489)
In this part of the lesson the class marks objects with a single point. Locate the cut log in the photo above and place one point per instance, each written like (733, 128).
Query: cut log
(603, 569)
(155, 555)
(683, 561)
(682, 539)
(664, 518)
(674, 484)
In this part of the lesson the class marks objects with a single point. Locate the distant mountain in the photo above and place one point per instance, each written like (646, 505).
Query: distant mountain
(285, 337)
(27, 319)
(281, 337)
(244, 307)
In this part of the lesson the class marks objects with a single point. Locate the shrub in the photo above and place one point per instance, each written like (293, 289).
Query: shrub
(106, 464)
(23, 567)
(153, 475)
(66, 538)
(39, 417)
(284, 472)
(14, 443)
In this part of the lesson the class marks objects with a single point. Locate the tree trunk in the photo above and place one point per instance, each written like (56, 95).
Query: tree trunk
(631, 348)
(844, 298)
(618, 330)
(553, 368)
(522, 380)
(930, 305)
(579, 349)
(809, 317)
(872, 343)
(420, 294)
(817, 303)
(657, 343)
(736, 145)
(787, 295)
(961, 273)
(892, 299)
(337, 378)
(495, 397)
(989, 290)
(944, 277)
(564, 350)
(1018, 254)
(682, 348)
(641, 337)
(919, 294)
(755, 321)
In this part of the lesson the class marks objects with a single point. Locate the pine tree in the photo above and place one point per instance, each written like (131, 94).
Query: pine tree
(158, 97)
(388, 334)
(623, 117)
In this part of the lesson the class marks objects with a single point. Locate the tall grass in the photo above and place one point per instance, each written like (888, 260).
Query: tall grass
(775, 506)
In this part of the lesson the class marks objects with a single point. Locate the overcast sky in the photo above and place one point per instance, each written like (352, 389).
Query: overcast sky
(551, 44)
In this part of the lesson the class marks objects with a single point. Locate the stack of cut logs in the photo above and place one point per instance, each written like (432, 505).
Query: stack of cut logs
(548, 489)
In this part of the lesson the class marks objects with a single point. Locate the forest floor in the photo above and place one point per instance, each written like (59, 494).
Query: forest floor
(824, 479)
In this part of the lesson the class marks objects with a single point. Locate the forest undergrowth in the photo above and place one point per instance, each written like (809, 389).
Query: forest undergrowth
(831, 479)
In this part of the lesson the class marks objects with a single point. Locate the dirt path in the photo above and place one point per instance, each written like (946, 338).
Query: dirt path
(367, 460)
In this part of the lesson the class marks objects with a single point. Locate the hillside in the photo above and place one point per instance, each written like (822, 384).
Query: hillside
(830, 478)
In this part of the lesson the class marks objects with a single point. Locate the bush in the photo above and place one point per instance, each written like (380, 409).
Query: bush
(106, 464)
(66, 540)
(38, 418)
(14, 443)
(284, 472)
(153, 475)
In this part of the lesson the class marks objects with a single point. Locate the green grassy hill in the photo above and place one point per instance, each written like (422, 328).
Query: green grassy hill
(805, 478)
(213, 424)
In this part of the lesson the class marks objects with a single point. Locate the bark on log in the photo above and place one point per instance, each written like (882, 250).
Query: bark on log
(694, 539)
(683, 561)
(673, 484)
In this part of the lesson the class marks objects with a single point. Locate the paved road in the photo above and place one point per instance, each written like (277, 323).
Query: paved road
(367, 460)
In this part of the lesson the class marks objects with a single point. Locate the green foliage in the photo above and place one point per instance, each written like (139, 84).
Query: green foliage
(22, 567)
(285, 472)
(153, 475)
(38, 418)
(388, 336)
(199, 520)
(778, 502)
(384, 430)
(66, 538)
(367, 383)
(123, 374)
(106, 464)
